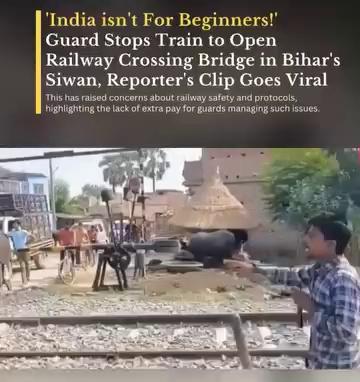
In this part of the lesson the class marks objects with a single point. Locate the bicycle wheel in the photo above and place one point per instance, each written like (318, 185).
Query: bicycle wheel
(67, 271)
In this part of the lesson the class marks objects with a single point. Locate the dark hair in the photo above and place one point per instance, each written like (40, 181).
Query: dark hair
(17, 221)
(333, 227)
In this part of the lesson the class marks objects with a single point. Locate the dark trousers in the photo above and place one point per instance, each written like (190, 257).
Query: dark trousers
(24, 261)
(62, 255)
(75, 258)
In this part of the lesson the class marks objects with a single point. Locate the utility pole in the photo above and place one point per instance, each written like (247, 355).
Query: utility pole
(142, 195)
(52, 194)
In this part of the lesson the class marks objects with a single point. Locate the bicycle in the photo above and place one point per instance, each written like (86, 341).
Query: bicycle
(67, 268)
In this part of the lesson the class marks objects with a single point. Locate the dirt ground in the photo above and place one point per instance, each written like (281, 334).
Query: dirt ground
(209, 281)
(207, 284)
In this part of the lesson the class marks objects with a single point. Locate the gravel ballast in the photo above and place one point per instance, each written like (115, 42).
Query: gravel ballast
(37, 302)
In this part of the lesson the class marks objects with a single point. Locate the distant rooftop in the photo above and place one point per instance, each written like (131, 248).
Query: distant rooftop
(21, 176)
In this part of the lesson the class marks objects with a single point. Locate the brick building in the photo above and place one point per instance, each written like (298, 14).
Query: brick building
(241, 171)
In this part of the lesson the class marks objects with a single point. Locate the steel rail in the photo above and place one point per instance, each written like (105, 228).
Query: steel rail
(192, 354)
(151, 319)
(233, 320)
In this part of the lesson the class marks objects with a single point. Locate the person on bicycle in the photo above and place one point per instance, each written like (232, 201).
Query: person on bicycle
(66, 238)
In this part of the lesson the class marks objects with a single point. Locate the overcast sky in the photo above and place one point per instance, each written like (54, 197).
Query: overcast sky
(81, 170)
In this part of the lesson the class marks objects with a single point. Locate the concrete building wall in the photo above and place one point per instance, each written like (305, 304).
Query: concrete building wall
(36, 184)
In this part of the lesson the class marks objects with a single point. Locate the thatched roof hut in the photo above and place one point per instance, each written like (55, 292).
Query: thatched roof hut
(213, 207)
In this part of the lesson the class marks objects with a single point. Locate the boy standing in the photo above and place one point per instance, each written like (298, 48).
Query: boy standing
(81, 237)
(333, 302)
(20, 239)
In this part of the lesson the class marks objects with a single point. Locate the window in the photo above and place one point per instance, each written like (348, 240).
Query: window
(38, 188)
(9, 186)
(25, 187)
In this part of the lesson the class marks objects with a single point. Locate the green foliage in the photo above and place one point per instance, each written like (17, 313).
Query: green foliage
(349, 163)
(92, 190)
(118, 169)
(313, 196)
(291, 166)
(155, 164)
(63, 203)
(62, 194)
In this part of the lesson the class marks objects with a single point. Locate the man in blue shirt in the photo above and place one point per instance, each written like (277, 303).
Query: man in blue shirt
(20, 239)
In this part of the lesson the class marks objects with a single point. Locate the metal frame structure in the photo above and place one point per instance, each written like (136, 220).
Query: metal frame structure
(232, 320)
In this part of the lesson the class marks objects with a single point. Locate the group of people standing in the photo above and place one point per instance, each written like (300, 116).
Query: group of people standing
(76, 237)
(17, 241)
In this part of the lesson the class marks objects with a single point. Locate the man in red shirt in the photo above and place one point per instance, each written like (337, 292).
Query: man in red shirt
(66, 237)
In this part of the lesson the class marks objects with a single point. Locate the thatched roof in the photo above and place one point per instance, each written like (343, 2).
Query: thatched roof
(213, 207)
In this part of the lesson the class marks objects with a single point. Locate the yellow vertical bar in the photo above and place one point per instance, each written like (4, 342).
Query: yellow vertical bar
(37, 62)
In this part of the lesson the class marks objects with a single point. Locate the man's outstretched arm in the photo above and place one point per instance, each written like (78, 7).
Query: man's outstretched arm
(285, 276)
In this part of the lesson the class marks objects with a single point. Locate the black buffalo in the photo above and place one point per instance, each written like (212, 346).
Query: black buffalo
(211, 248)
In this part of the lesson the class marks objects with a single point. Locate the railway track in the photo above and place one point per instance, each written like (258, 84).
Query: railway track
(234, 321)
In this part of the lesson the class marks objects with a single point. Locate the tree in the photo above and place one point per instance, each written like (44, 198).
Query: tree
(62, 194)
(63, 202)
(92, 190)
(291, 166)
(349, 163)
(155, 164)
(314, 196)
(118, 169)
